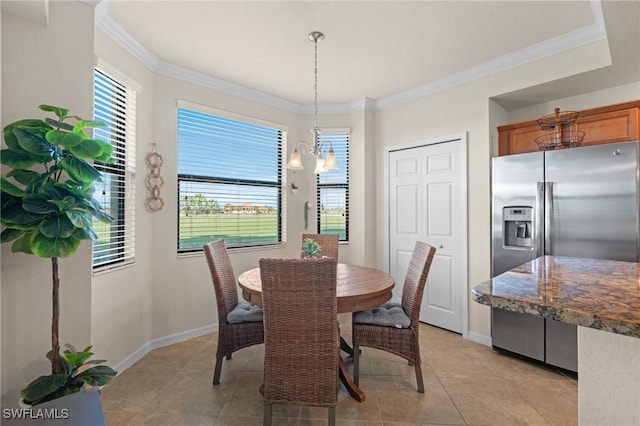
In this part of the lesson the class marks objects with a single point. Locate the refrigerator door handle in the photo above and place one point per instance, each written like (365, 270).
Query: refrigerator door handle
(548, 216)
(539, 219)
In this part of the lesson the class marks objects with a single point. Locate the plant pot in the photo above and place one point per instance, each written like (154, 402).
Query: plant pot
(23, 404)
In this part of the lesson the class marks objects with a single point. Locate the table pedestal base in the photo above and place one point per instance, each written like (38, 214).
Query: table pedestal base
(353, 389)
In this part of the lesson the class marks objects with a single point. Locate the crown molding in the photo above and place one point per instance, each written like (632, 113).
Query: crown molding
(188, 75)
(521, 57)
(118, 34)
(547, 48)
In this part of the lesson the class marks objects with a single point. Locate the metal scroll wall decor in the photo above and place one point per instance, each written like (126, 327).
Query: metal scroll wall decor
(154, 181)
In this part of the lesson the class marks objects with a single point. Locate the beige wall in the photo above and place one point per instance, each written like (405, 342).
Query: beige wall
(468, 108)
(164, 294)
(121, 303)
(44, 65)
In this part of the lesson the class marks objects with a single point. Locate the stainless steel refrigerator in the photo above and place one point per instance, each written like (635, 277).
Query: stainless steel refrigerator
(579, 202)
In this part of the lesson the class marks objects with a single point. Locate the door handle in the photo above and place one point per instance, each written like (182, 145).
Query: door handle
(538, 222)
(548, 216)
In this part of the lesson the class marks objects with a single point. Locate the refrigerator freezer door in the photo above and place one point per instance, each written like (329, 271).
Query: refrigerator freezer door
(594, 212)
(516, 182)
(518, 191)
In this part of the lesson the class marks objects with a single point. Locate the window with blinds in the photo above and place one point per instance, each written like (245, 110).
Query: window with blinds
(114, 104)
(229, 181)
(333, 190)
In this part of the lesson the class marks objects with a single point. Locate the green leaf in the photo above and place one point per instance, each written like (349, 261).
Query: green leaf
(55, 192)
(33, 143)
(42, 386)
(83, 124)
(24, 177)
(16, 160)
(64, 366)
(66, 204)
(11, 189)
(40, 184)
(106, 146)
(60, 112)
(9, 234)
(105, 158)
(76, 359)
(57, 226)
(85, 234)
(59, 124)
(65, 139)
(12, 140)
(79, 170)
(96, 210)
(88, 149)
(68, 389)
(68, 190)
(79, 219)
(15, 216)
(98, 375)
(35, 203)
(43, 246)
(23, 244)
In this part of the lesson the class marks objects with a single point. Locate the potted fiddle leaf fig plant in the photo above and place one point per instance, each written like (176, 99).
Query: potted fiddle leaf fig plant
(310, 248)
(46, 211)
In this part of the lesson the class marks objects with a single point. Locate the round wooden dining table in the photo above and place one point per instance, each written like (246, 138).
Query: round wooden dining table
(357, 288)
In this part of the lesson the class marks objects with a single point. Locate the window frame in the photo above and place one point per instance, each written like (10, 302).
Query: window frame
(123, 140)
(345, 185)
(279, 185)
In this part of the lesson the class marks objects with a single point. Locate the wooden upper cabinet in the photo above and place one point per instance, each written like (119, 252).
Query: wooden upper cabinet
(608, 124)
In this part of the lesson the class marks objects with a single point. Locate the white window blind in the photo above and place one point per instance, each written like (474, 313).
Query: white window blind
(229, 181)
(333, 190)
(115, 105)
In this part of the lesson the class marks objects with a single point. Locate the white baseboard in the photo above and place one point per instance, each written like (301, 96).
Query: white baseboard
(480, 338)
(161, 342)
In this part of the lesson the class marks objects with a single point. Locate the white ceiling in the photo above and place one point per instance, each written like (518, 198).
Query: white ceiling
(382, 50)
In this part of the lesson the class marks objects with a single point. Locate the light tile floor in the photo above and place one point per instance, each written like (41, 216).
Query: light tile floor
(465, 384)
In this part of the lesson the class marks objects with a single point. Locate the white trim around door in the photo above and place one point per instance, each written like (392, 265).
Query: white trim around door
(462, 234)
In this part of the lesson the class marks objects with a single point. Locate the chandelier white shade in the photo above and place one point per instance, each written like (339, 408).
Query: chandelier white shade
(323, 165)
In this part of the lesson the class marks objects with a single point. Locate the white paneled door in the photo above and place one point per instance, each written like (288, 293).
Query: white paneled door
(427, 202)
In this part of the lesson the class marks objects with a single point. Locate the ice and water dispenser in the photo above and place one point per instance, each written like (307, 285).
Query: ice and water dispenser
(517, 225)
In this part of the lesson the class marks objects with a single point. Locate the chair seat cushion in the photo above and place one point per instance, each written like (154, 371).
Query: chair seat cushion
(390, 314)
(244, 312)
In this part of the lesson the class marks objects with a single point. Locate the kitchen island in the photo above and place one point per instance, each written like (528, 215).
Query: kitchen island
(603, 298)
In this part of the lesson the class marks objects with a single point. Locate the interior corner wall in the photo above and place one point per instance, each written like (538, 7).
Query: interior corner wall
(44, 65)
(466, 108)
(183, 297)
(164, 293)
(121, 313)
(460, 109)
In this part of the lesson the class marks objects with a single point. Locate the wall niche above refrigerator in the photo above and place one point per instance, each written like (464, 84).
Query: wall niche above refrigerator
(607, 124)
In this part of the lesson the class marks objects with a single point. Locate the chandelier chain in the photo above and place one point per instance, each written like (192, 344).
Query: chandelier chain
(315, 83)
(323, 165)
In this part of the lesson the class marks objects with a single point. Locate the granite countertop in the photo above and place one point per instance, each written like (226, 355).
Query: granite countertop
(601, 294)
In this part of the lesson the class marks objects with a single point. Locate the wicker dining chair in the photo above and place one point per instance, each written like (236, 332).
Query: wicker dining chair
(301, 347)
(393, 327)
(240, 323)
(328, 244)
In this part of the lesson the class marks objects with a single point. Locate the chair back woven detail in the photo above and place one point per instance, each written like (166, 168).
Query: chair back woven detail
(403, 342)
(224, 280)
(301, 331)
(231, 337)
(415, 280)
(328, 244)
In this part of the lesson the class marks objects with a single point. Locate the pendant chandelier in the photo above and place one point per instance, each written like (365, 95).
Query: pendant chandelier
(322, 165)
